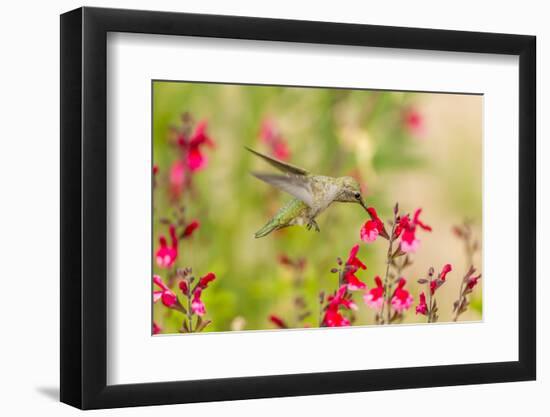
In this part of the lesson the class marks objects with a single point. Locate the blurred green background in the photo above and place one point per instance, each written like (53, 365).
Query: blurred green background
(420, 149)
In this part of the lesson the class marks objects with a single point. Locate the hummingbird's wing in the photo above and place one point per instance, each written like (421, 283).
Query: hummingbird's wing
(280, 165)
(296, 185)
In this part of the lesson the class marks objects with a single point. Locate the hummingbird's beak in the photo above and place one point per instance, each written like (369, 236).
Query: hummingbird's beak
(363, 204)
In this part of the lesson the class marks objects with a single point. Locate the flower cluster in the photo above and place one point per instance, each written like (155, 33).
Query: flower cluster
(467, 286)
(189, 141)
(191, 157)
(166, 255)
(168, 297)
(374, 298)
(406, 229)
(389, 297)
(382, 296)
(337, 302)
(353, 264)
(401, 299)
(195, 306)
(430, 308)
(341, 301)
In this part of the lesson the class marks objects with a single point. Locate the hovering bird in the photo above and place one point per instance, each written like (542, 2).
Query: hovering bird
(312, 194)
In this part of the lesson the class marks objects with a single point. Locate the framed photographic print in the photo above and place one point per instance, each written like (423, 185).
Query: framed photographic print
(258, 207)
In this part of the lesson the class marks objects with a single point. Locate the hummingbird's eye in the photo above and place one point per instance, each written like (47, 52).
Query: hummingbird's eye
(357, 196)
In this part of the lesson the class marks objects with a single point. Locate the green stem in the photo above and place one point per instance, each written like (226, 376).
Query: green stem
(386, 276)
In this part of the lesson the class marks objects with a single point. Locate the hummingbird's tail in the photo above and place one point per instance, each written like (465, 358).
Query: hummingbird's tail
(267, 229)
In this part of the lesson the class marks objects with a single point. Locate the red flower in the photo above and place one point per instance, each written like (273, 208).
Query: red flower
(433, 286)
(196, 160)
(190, 228)
(156, 328)
(192, 157)
(169, 299)
(375, 297)
(333, 318)
(472, 282)
(436, 283)
(354, 263)
(369, 232)
(166, 256)
(373, 227)
(197, 306)
(422, 307)
(277, 321)
(414, 122)
(184, 287)
(402, 299)
(407, 229)
(446, 269)
(270, 135)
(354, 284)
(207, 279)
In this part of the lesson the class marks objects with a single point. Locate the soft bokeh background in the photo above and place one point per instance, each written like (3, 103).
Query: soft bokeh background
(420, 149)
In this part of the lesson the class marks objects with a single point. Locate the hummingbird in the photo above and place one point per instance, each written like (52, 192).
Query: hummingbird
(312, 194)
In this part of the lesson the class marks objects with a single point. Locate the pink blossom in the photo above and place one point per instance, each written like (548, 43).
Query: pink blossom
(196, 160)
(373, 227)
(402, 299)
(197, 306)
(169, 299)
(332, 317)
(375, 297)
(166, 255)
(369, 232)
(354, 284)
(422, 307)
(407, 229)
(156, 328)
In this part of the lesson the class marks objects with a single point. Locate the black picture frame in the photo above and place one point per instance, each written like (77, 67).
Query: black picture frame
(84, 207)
